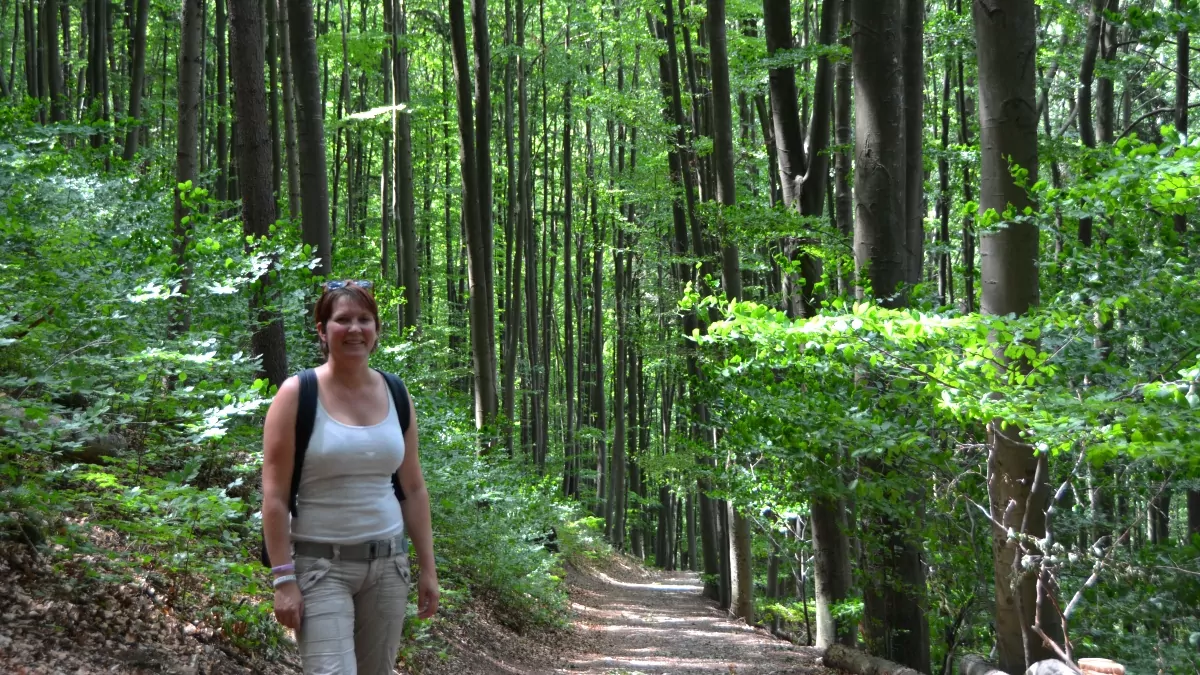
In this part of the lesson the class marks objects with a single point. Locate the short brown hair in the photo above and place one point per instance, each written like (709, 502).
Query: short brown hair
(361, 296)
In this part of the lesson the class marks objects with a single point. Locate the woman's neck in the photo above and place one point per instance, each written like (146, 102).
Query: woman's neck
(350, 373)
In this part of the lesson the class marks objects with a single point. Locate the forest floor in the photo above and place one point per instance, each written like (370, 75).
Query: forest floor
(626, 620)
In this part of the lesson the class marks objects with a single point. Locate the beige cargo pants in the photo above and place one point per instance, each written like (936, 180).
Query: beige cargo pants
(354, 610)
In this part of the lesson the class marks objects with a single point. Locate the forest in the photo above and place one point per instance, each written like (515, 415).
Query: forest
(881, 315)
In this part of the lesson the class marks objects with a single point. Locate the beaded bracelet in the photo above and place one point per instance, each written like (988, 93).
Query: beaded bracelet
(283, 580)
(288, 568)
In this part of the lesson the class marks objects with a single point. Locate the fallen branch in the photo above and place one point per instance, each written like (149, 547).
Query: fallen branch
(972, 664)
(854, 661)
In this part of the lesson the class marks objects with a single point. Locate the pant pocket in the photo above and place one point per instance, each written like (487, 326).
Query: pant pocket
(311, 570)
(403, 568)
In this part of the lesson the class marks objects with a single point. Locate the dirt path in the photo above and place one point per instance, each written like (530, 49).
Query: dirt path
(657, 623)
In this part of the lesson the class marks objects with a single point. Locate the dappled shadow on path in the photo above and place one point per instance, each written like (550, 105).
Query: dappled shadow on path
(659, 623)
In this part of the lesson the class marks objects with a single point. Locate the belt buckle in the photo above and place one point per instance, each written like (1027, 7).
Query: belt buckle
(372, 550)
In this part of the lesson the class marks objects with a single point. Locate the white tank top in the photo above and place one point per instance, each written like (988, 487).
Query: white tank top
(345, 494)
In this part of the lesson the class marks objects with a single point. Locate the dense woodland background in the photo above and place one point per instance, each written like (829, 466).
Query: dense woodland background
(882, 314)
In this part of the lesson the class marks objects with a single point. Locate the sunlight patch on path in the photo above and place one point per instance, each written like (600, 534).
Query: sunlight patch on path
(674, 588)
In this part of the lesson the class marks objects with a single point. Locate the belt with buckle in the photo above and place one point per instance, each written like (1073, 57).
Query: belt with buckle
(369, 550)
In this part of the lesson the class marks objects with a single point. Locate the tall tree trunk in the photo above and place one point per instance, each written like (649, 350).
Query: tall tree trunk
(478, 263)
(803, 183)
(1006, 43)
(1105, 100)
(945, 264)
(222, 191)
(570, 447)
(273, 97)
(186, 152)
(914, 137)
(138, 80)
(409, 276)
(880, 168)
(310, 128)
(258, 199)
(483, 162)
(842, 161)
(525, 220)
(742, 587)
(1083, 103)
(1182, 47)
(53, 64)
(968, 225)
(895, 620)
(289, 111)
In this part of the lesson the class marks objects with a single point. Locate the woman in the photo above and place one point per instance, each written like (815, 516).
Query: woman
(346, 589)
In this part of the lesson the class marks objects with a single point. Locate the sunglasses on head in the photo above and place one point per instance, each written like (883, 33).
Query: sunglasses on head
(334, 285)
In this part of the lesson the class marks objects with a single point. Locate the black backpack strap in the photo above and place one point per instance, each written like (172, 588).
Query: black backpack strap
(403, 413)
(306, 415)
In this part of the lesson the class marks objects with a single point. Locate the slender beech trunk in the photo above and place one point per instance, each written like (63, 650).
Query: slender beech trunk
(1182, 46)
(186, 150)
(53, 65)
(914, 138)
(406, 220)
(138, 80)
(525, 221)
(1106, 112)
(483, 361)
(483, 164)
(1006, 42)
(273, 97)
(258, 198)
(310, 134)
(968, 224)
(289, 111)
(803, 183)
(222, 106)
(512, 289)
(945, 265)
(570, 447)
(895, 623)
(742, 586)
(1083, 101)
(843, 195)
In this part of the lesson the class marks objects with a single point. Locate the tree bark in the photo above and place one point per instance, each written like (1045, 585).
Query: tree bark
(1182, 46)
(742, 590)
(254, 158)
(222, 191)
(186, 152)
(1106, 118)
(272, 28)
(483, 149)
(53, 65)
(289, 111)
(1006, 42)
(310, 128)
(1083, 101)
(914, 136)
(406, 219)
(483, 361)
(138, 79)
(843, 197)
(803, 182)
(880, 168)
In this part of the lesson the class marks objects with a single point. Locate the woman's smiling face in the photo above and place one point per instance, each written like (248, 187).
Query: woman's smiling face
(351, 330)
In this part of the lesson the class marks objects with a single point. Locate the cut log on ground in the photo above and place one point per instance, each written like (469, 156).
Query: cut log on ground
(973, 664)
(854, 661)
